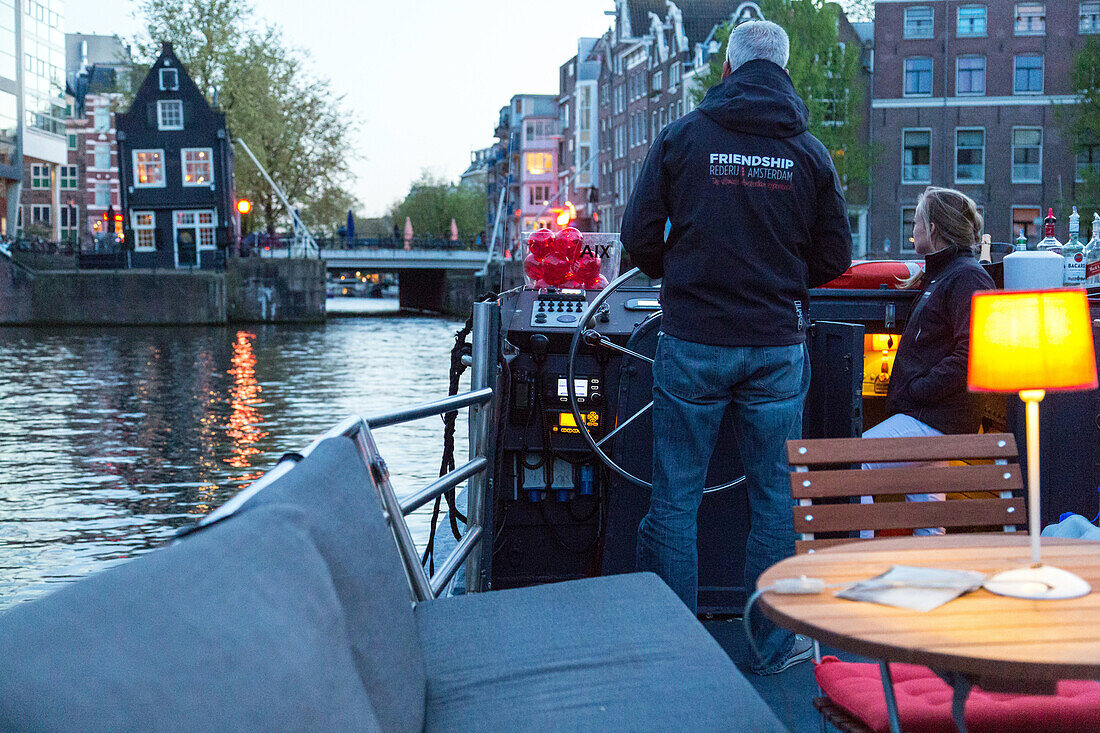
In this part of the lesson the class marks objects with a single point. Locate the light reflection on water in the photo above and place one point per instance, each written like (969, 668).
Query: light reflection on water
(111, 439)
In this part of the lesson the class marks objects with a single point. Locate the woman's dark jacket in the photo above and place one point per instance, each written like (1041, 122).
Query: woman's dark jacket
(929, 376)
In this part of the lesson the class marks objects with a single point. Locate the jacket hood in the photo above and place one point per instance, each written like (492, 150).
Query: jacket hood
(758, 99)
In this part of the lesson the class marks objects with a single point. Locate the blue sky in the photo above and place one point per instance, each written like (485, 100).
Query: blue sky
(425, 78)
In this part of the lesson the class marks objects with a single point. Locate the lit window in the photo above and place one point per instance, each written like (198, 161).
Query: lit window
(1027, 155)
(201, 224)
(198, 166)
(918, 22)
(149, 168)
(1031, 19)
(1089, 20)
(971, 21)
(1025, 219)
(970, 75)
(169, 80)
(916, 156)
(540, 163)
(170, 114)
(969, 155)
(1028, 75)
(918, 77)
(145, 231)
(908, 216)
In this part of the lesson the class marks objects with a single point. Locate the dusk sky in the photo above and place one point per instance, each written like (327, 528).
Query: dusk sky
(425, 78)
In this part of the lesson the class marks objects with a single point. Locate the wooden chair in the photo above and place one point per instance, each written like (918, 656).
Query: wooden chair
(979, 496)
(980, 492)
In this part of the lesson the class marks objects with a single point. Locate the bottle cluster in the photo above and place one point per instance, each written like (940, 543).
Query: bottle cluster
(1081, 262)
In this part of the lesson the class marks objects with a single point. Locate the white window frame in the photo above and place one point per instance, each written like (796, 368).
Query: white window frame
(958, 21)
(162, 107)
(931, 32)
(969, 182)
(931, 76)
(1027, 32)
(40, 172)
(1042, 75)
(924, 181)
(161, 77)
(1091, 11)
(985, 75)
(36, 210)
(140, 229)
(63, 177)
(199, 246)
(1031, 128)
(183, 167)
(136, 182)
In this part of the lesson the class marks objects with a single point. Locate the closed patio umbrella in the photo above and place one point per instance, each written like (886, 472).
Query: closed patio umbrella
(408, 233)
(454, 231)
(351, 227)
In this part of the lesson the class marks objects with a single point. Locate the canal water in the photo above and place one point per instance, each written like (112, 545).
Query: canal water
(112, 439)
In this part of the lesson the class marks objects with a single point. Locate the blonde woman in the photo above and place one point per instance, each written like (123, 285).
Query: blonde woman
(927, 393)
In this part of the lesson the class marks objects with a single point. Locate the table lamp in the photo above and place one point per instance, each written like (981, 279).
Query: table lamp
(1030, 342)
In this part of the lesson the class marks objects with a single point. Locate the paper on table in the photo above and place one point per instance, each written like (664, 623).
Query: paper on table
(918, 589)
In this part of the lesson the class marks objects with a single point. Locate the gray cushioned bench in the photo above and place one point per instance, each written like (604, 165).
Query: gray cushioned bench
(294, 614)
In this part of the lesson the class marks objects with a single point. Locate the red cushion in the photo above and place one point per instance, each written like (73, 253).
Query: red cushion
(924, 702)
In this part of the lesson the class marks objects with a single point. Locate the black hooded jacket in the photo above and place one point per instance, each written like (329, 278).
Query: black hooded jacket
(929, 377)
(756, 210)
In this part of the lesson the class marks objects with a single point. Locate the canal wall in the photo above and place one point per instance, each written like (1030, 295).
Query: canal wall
(16, 282)
(275, 291)
(127, 298)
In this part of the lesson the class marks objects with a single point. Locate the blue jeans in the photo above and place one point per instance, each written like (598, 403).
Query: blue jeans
(693, 384)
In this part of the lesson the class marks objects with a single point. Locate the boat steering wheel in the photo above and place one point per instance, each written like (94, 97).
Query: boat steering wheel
(584, 331)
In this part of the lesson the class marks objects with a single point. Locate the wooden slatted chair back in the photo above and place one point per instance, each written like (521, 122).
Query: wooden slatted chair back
(823, 470)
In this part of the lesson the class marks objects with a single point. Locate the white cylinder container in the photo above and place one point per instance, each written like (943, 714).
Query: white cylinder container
(1033, 270)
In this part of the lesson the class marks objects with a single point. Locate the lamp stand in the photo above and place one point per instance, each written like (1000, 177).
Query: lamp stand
(1038, 581)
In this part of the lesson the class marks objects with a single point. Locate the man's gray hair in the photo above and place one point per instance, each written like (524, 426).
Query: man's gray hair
(758, 39)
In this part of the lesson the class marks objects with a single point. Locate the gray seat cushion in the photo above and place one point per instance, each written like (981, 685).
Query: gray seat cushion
(333, 487)
(616, 653)
(236, 628)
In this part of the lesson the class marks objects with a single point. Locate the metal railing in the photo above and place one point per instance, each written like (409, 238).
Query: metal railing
(280, 244)
(485, 334)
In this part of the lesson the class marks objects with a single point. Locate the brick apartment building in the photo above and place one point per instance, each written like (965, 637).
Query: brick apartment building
(965, 95)
(97, 72)
(647, 61)
(524, 165)
(579, 147)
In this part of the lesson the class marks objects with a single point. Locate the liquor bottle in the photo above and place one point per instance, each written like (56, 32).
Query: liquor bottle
(985, 257)
(1021, 242)
(882, 381)
(1092, 255)
(1049, 242)
(1073, 272)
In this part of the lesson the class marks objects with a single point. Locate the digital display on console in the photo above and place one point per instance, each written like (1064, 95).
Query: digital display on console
(581, 386)
(566, 420)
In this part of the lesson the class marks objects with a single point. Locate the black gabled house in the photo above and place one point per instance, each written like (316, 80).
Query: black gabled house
(176, 172)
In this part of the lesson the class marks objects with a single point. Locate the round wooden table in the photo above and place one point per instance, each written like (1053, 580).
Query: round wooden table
(999, 643)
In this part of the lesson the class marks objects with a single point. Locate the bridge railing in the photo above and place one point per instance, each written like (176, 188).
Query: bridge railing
(277, 246)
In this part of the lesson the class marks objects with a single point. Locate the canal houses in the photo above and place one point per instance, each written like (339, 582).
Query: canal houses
(176, 170)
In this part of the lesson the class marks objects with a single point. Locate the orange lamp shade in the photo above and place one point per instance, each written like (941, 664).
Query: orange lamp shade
(1038, 339)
